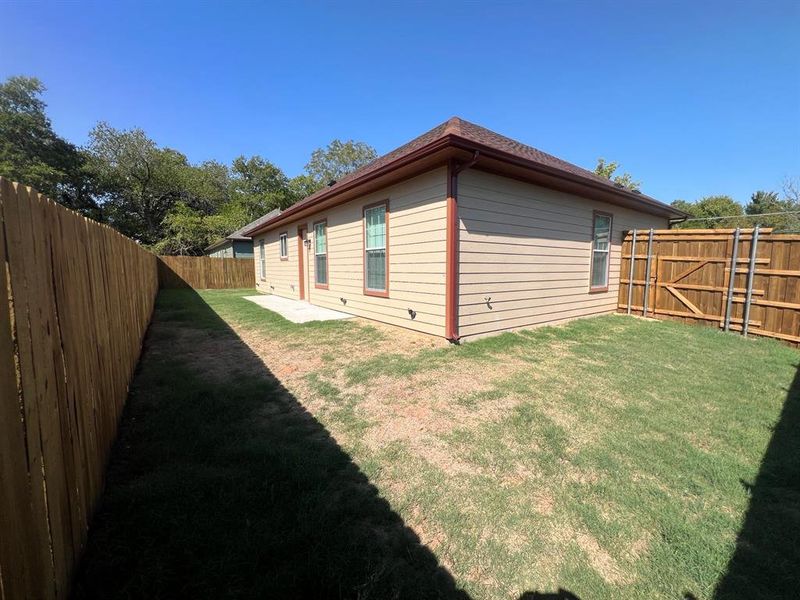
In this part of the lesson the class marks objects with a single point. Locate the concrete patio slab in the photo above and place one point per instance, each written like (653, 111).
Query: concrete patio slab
(297, 311)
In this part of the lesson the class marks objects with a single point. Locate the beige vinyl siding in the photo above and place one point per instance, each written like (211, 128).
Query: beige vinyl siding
(416, 257)
(282, 275)
(528, 248)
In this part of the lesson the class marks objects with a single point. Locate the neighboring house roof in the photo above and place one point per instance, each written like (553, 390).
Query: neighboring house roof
(239, 234)
(461, 134)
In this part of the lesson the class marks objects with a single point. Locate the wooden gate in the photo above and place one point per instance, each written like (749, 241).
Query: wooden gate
(703, 275)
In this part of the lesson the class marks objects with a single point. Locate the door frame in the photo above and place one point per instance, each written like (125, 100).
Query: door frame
(301, 231)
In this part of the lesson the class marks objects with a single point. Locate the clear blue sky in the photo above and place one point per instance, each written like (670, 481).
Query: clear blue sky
(693, 98)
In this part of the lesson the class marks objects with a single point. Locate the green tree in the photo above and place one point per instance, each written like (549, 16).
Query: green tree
(137, 181)
(258, 186)
(764, 203)
(302, 186)
(703, 211)
(607, 170)
(208, 186)
(338, 159)
(33, 154)
(185, 231)
(203, 215)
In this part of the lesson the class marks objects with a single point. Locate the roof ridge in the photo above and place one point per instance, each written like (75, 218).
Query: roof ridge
(452, 125)
(474, 134)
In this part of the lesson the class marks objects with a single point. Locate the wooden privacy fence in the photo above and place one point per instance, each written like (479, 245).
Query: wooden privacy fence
(205, 272)
(744, 280)
(75, 300)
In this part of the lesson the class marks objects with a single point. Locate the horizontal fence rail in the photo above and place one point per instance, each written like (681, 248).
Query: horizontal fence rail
(206, 272)
(77, 298)
(745, 280)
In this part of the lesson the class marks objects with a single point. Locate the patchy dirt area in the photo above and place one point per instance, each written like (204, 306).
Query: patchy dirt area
(291, 361)
(419, 411)
(526, 462)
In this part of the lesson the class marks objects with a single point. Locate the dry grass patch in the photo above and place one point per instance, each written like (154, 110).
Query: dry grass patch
(601, 560)
(548, 458)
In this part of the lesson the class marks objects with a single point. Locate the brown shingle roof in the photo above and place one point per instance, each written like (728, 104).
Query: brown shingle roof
(239, 234)
(456, 127)
(481, 135)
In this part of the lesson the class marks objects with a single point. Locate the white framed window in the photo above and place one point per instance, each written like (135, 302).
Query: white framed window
(376, 244)
(262, 259)
(284, 244)
(321, 254)
(601, 247)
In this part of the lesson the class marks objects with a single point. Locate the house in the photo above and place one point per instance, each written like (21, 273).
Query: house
(238, 245)
(460, 233)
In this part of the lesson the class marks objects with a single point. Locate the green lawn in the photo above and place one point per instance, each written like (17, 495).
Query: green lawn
(611, 457)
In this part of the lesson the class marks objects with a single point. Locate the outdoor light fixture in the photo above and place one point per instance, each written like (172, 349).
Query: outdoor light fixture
(412, 313)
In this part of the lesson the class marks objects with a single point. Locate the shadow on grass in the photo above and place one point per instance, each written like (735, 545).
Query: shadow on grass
(223, 485)
(561, 594)
(766, 562)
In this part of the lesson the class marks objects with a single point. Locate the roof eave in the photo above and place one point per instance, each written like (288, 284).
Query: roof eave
(646, 202)
(454, 141)
(408, 159)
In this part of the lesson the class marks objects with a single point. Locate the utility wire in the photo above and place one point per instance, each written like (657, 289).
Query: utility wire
(772, 214)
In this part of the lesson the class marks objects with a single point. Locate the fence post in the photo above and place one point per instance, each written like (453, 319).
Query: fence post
(751, 272)
(647, 272)
(630, 274)
(734, 256)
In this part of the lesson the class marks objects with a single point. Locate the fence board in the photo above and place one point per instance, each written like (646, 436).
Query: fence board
(206, 272)
(692, 269)
(78, 297)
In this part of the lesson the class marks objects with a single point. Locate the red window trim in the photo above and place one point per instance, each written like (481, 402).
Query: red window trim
(601, 288)
(282, 257)
(321, 286)
(368, 292)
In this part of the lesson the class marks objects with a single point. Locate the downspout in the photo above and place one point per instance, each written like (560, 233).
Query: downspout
(452, 259)
(677, 221)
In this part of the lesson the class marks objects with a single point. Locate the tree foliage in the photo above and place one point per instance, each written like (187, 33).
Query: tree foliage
(302, 186)
(32, 153)
(338, 159)
(208, 186)
(703, 213)
(768, 203)
(761, 202)
(150, 193)
(258, 187)
(137, 181)
(607, 170)
(217, 202)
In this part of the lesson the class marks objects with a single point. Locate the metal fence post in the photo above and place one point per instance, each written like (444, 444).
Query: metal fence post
(630, 274)
(647, 272)
(734, 257)
(751, 272)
